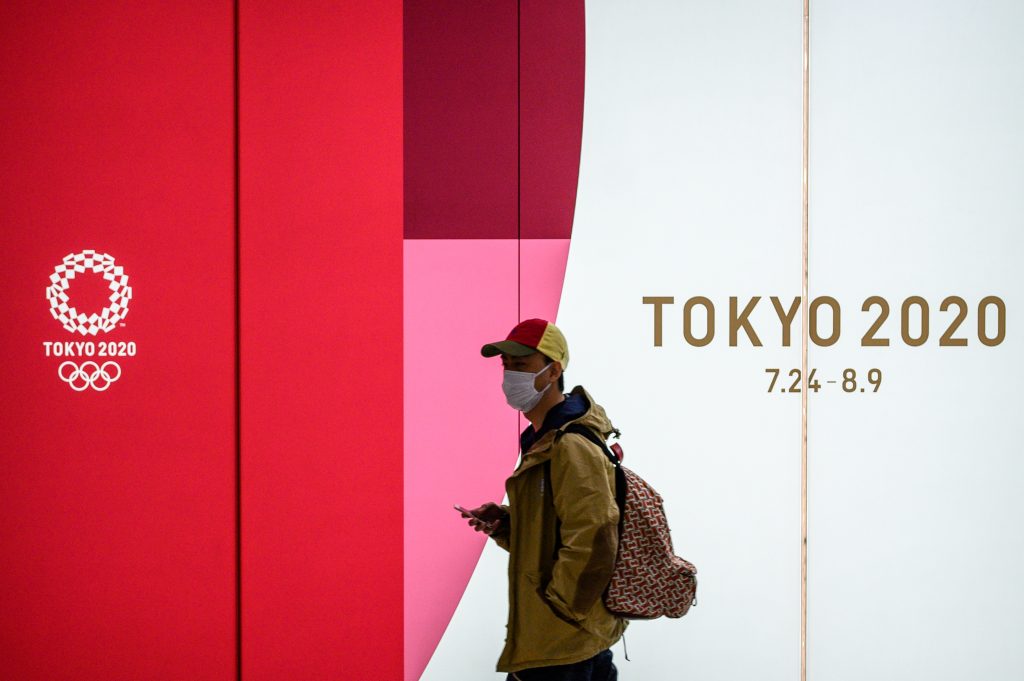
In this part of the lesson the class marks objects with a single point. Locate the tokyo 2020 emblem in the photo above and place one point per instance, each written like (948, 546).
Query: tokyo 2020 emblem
(89, 374)
(68, 315)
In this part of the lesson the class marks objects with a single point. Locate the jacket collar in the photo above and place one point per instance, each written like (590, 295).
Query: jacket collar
(594, 417)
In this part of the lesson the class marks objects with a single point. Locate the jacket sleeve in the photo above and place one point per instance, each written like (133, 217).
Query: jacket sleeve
(584, 499)
(501, 537)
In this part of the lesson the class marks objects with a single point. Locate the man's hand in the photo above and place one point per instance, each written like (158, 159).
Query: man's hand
(487, 518)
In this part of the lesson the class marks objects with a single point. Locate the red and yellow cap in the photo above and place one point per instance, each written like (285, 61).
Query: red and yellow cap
(531, 336)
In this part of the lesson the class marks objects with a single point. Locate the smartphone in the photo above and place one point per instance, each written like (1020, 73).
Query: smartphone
(487, 523)
(467, 512)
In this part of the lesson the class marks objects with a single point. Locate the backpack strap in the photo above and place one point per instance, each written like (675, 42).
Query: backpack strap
(620, 477)
(589, 433)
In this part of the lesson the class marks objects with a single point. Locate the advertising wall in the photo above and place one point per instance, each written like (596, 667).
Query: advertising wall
(254, 249)
(215, 511)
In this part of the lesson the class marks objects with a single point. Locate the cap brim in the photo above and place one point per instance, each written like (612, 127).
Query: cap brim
(507, 347)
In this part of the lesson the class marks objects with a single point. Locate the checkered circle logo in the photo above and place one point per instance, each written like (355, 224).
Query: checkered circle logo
(78, 322)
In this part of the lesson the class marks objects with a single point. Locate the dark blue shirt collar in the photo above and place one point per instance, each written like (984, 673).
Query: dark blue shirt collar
(572, 407)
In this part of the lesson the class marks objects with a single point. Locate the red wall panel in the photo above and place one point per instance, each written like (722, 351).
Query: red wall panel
(321, 298)
(118, 534)
(117, 531)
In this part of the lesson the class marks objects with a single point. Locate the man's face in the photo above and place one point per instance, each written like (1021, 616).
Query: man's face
(533, 363)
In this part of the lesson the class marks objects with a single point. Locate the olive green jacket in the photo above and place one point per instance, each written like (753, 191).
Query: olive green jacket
(562, 538)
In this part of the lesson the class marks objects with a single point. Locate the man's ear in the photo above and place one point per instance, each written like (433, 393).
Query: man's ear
(556, 370)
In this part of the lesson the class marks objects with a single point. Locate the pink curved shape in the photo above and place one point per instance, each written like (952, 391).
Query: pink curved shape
(459, 434)
(493, 125)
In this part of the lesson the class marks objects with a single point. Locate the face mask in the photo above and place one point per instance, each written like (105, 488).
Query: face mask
(519, 391)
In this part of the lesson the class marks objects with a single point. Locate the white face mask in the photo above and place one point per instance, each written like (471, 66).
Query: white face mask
(519, 391)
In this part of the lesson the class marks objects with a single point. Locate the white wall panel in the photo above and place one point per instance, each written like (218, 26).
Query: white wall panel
(690, 185)
(915, 547)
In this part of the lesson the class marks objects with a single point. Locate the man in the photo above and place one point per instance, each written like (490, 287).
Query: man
(560, 526)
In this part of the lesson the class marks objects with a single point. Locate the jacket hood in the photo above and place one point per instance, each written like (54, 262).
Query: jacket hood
(594, 417)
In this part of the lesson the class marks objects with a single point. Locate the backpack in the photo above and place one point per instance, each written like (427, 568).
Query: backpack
(648, 580)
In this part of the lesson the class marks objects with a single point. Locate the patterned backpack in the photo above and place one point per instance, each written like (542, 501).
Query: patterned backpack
(649, 580)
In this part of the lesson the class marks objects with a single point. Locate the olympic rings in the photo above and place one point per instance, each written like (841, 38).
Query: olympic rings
(89, 378)
(75, 321)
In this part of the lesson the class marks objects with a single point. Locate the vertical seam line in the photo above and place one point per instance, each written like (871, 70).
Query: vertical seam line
(805, 233)
(519, 185)
(238, 347)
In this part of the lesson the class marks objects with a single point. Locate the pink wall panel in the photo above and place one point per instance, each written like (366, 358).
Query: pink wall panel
(117, 531)
(542, 273)
(459, 294)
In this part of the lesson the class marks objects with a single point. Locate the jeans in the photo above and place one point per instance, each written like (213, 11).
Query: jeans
(598, 668)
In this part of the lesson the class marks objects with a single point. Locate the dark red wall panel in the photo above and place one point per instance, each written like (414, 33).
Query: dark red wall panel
(321, 297)
(117, 532)
(551, 56)
(493, 118)
(461, 139)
